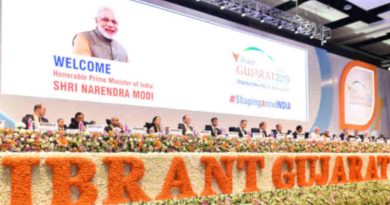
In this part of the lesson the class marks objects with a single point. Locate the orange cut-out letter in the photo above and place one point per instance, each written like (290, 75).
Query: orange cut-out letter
(283, 180)
(372, 171)
(251, 163)
(355, 164)
(214, 169)
(338, 176)
(21, 170)
(63, 180)
(118, 184)
(301, 170)
(177, 177)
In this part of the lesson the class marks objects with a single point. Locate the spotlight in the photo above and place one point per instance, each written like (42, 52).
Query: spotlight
(243, 12)
(222, 7)
(311, 37)
(262, 20)
(296, 31)
(280, 27)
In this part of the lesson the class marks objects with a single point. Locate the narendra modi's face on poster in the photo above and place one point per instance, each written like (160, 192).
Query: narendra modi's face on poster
(106, 22)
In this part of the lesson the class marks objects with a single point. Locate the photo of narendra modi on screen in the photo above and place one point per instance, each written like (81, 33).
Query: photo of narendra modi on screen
(100, 42)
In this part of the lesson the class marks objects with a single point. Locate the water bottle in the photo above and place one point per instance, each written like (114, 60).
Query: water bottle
(81, 126)
(126, 129)
(29, 124)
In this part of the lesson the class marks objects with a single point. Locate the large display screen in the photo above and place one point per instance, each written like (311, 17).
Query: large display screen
(133, 53)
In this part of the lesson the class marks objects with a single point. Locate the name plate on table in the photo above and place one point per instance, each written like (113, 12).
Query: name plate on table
(232, 134)
(352, 139)
(300, 137)
(257, 135)
(205, 132)
(189, 132)
(72, 131)
(45, 126)
(280, 136)
(175, 132)
(2, 124)
(138, 130)
(380, 141)
(95, 128)
(289, 136)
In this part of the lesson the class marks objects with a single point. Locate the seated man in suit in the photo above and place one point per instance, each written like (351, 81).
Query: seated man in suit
(298, 131)
(36, 117)
(213, 128)
(114, 125)
(356, 136)
(263, 129)
(185, 127)
(78, 118)
(61, 124)
(278, 130)
(242, 128)
(345, 135)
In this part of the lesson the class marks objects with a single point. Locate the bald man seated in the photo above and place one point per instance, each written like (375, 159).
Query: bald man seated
(114, 125)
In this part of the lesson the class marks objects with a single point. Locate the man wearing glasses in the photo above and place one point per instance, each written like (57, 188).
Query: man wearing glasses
(100, 42)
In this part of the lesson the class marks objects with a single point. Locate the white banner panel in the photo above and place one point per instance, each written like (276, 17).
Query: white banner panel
(157, 59)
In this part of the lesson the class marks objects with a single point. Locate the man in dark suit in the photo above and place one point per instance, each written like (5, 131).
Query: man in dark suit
(356, 136)
(242, 128)
(37, 116)
(75, 122)
(213, 128)
(263, 128)
(185, 127)
(298, 131)
(114, 125)
(278, 130)
(345, 135)
(61, 124)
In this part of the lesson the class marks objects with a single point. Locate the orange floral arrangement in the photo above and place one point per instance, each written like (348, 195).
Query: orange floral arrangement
(118, 183)
(214, 170)
(177, 177)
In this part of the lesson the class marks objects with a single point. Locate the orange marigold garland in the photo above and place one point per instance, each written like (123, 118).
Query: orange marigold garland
(177, 177)
(63, 180)
(283, 180)
(301, 170)
(372, 171)
(118, 183)
(251, 163)
(339, 176)
(355, 164)
(214, 170)
(383, 161)
(21, 169)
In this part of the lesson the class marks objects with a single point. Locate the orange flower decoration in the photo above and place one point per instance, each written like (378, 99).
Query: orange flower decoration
(62, 141)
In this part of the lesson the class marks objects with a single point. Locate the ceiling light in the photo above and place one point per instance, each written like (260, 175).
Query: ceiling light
(347, 7)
